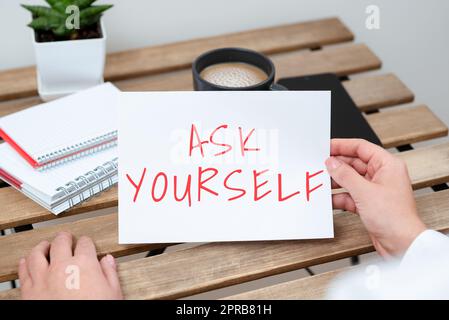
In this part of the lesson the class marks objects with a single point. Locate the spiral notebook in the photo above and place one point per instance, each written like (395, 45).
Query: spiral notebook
(64, 186)
(65, 129)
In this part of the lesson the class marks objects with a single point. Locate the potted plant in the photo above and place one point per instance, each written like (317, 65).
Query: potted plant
(70, 45)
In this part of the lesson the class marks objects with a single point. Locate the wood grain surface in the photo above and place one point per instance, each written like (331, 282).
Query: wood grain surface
(344, 60)
(314, 287)
(103, 230)
(216, 265)
(398, 127)
(428, 166)
(19, 83)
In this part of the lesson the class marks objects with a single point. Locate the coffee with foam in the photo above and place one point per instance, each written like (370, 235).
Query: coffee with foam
(233, 74)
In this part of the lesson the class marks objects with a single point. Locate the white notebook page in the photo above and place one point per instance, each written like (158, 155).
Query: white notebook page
(47, 181)
(64, 122)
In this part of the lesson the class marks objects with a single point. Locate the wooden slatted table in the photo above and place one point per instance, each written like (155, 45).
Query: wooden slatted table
(298, 49)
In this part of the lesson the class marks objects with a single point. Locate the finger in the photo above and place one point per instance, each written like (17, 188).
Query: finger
(109, 267)
(343, 201)
(345, 176)
(360, 166)
(85, 247)
(24, 275)
(61, 247)
(37, 260)
(335, 185)
(357, 148)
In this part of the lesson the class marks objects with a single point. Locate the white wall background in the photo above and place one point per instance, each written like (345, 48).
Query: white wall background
(413, 41)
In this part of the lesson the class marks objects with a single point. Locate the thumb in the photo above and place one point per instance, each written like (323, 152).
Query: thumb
(109, 267)
(346, 176)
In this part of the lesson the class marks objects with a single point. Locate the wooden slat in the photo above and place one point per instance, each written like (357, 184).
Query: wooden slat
(13, 294)
(368, 92)
(17, 209)
(103, 230)
(405, 126)
(427, 167)
(314, 287)
(343, 60)
(375, 92)
(11, 106)
(217, 265)
(269, 40)
(158, 59)
(17, 83)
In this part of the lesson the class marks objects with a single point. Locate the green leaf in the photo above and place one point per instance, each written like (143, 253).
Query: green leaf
(53, 3)
(83, 4)
(41, 23)
(61, 5)
(61, 31)
(93, 11)
(54, 17)
(92, 15)
(47, 22)
(57, 5)
(38, 10)
(89, 21)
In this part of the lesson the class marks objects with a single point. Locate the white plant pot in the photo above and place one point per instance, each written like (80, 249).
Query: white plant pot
(65, 67)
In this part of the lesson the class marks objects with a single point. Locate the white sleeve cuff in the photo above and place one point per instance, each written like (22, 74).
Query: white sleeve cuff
(428, 246)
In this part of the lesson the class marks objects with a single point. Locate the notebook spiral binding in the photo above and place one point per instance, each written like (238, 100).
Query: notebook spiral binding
(101, 177)
(78, 150)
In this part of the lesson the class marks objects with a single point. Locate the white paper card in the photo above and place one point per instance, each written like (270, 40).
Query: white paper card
(247, 166)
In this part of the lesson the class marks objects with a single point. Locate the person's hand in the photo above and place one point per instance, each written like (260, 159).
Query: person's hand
(55, 271)
(379, 190)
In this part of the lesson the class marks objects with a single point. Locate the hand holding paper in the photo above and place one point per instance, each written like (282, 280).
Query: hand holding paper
(228, 167)
(379, 190)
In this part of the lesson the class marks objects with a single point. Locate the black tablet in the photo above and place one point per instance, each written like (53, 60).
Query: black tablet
(346, 119)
